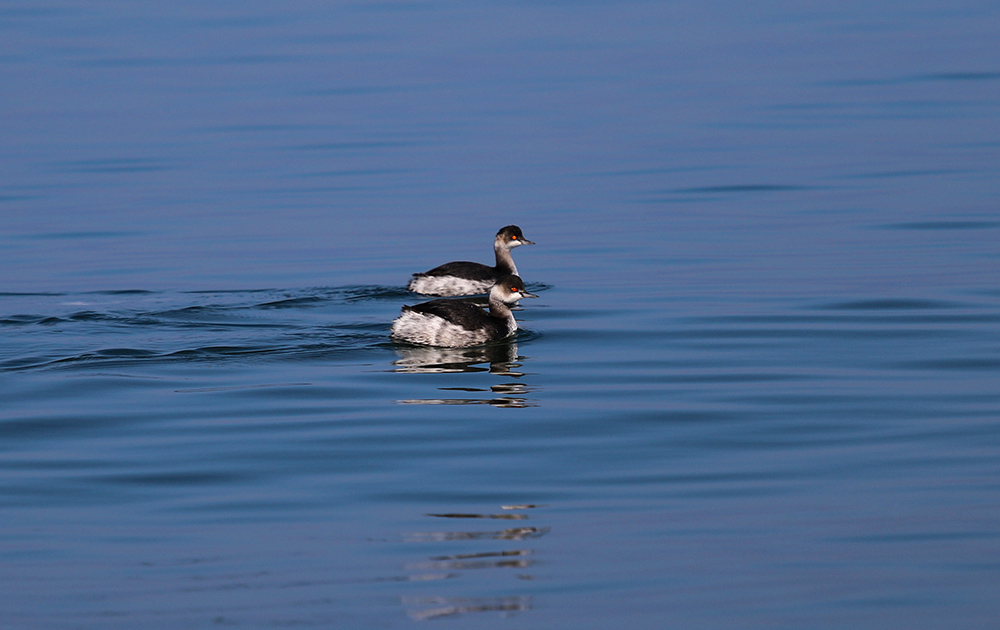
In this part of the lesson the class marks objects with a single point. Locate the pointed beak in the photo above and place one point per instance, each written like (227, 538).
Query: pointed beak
(524, 241)
(525, 294)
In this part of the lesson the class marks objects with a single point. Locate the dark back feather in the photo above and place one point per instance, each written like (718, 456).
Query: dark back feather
(461, 313)
(464, 269)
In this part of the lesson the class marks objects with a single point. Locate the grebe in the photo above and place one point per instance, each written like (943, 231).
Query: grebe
(469, 278)
(460, 324)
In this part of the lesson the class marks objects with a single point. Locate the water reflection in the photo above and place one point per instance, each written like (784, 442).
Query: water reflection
(511, 533)
(513, 559)
(451, 566)
(501, 401)
(501, 357)
(450, 607)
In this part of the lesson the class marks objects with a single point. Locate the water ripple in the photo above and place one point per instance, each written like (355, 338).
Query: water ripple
(232, 325)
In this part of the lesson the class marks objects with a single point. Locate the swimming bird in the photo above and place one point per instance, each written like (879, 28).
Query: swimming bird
(460, 324)
(470, 278)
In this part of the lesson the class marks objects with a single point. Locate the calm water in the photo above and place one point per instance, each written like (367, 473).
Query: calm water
(761, 387)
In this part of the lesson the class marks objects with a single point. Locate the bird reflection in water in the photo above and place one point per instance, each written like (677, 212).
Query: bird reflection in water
(501, 356)
(502, 359)
(519, 560)
(444, 607)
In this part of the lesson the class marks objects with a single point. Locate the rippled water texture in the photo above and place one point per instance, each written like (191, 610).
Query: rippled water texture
(760, 387)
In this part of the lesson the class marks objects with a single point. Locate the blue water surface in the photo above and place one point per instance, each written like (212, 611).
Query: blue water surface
(760, 389)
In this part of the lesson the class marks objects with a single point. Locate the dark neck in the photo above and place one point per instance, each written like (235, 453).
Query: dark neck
(505, 262)
(498, 309)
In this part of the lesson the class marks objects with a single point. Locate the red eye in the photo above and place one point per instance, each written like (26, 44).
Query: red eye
(514, 289)
(513, 238)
